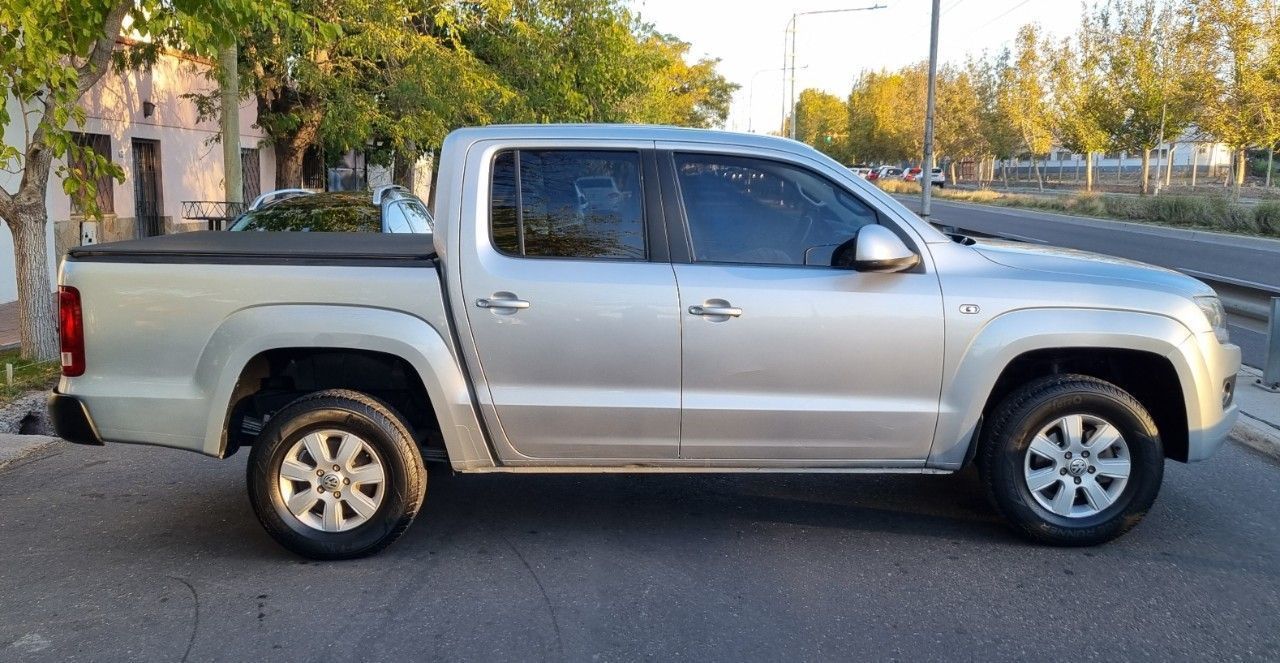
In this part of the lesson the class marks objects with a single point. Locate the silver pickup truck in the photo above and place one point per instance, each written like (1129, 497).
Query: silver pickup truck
(642, 299)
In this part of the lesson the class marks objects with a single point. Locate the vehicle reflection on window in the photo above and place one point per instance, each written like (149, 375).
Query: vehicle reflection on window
(568, 203)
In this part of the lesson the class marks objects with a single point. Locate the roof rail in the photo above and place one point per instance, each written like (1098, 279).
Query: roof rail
(277, 195)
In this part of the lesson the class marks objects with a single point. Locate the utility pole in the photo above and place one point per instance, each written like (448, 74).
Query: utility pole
(926, 179)
(791, 32)
(232, 169)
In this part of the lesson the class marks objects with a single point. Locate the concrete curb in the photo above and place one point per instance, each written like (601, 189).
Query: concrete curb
(1257, 435)
(14, 448)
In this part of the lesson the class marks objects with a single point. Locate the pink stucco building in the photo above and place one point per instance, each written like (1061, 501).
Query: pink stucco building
(142, 120)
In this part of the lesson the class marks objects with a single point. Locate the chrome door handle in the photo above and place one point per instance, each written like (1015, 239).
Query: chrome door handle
(502, 303)
(731, 311)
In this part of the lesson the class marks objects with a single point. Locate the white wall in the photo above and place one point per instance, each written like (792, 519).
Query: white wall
(191, 165)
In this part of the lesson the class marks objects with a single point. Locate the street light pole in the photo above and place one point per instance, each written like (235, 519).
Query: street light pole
(926, 172)
(791, 32)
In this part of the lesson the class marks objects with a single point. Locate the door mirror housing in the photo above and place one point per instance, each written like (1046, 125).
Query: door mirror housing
(875, 249)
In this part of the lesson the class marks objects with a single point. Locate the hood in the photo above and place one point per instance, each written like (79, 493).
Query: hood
(1069, 262)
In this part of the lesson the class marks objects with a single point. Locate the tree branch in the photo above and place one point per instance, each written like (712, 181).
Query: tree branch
(96, 64)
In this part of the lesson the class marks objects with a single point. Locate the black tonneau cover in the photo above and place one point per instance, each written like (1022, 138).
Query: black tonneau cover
(267, 248)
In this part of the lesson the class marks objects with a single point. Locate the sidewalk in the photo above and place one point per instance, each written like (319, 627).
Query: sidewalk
(1259, 424)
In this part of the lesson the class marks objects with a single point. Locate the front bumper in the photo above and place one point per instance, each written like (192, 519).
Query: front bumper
(71, 420)
(1211, 408)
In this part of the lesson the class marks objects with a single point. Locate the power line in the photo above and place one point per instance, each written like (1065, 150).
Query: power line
(1006, 13)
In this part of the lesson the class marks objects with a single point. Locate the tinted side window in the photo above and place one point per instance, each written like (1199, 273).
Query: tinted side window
(745, 210)
(568, 203)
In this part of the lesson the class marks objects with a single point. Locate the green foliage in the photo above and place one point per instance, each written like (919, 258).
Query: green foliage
(1266, 218)
(400, 74)
(822, 121)
(53, 51)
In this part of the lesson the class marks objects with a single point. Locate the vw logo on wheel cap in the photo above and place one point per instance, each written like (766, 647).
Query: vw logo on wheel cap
(331, 481)
(1077, 467)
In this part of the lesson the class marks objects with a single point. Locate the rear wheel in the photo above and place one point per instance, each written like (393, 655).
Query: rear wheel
(336, 475)
(1072, 460)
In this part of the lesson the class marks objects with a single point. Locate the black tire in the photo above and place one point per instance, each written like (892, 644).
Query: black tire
(1016, 421)
(375, 423)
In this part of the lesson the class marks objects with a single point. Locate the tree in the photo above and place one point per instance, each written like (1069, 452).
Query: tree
(1081, 100)
(1239, 100)
(823, 122)
(1149, 64)
(51, 53)
(958, 125)
(403, 73)
(677, 92)
(1024, 99)
(998, 132)
(886, 114)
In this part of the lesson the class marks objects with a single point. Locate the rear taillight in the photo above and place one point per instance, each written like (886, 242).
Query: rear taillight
(71, 331)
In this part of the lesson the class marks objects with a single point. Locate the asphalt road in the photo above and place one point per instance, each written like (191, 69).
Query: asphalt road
(1240, 258)
(137, 553)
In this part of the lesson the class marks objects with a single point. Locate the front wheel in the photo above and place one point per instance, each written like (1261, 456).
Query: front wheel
(1072, 460)
(336, 475)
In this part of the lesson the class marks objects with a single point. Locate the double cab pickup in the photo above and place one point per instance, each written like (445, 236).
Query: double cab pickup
(644, 299)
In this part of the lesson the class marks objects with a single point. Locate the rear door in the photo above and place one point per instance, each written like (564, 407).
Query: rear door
(786, 358)
(572, 304)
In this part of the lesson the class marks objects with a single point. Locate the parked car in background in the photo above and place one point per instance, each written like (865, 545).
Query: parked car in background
(525, 337)
(387, 209)
(861, 171)
(884, 173)
(936, 178)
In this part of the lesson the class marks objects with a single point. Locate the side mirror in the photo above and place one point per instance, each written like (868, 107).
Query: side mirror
(875, 249)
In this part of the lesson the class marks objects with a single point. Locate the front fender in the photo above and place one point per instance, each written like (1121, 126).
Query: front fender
(251, 331)
(966, 387)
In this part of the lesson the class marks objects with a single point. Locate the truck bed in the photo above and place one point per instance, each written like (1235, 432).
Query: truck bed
(252, 248)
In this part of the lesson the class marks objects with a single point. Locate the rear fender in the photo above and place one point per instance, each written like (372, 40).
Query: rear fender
(251, 331)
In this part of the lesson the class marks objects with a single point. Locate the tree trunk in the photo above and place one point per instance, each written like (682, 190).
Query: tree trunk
(1271, 158)
(1240, 166)
(37, 328)
(1035, 168)
(1088, 171)
(288, 165)
(1146, 170)
(1168, 165)
(1195, 156)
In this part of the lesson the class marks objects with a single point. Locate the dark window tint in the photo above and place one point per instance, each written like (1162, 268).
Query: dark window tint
(745, 210)
(99, 144)
(568, 203)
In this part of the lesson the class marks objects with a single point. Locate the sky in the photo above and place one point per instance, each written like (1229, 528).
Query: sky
(747, 36)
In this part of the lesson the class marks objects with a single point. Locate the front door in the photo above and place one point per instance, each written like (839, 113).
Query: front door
(786, 358)
(573, 309)
(147, 204)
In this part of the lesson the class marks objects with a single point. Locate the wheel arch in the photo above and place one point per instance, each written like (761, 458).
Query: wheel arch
(245, 343)
(1029, 343)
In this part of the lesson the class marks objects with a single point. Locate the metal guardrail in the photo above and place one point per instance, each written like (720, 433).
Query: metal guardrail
(1247, 299)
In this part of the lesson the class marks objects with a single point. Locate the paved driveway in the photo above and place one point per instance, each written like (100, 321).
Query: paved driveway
(136, 553)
